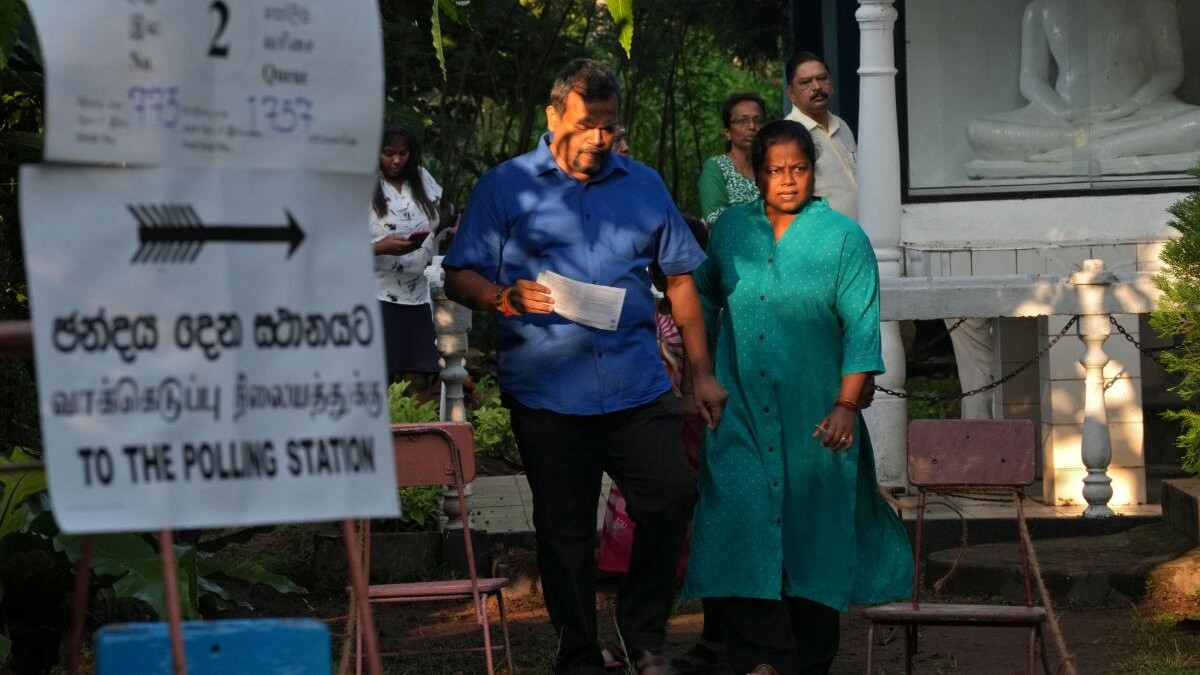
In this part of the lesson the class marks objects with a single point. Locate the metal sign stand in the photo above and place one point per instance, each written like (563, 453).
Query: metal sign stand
(16, 341)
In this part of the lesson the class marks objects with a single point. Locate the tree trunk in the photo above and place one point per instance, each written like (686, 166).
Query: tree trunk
(669, 96)
(532, 97)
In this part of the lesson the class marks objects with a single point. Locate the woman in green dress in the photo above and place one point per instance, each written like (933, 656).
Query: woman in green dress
(790, 527)
(727, 179)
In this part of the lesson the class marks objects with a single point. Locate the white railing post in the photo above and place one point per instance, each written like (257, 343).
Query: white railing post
(1091, 283)
(451, 322)
(879, 214)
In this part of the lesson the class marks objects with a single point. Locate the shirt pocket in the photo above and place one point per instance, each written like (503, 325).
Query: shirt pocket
(630, 232)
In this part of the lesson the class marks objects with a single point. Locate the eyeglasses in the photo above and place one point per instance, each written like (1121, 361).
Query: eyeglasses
(746, 121)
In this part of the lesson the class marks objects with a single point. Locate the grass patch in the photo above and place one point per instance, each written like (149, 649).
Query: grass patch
(1155, 648)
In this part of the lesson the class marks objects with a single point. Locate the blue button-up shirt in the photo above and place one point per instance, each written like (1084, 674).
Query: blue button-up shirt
(527, 216)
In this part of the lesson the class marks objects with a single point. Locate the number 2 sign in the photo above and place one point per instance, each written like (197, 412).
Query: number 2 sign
(237, 83)
(219, 49)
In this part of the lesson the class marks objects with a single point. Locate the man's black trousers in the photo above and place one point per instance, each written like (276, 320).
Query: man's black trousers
(565, 457)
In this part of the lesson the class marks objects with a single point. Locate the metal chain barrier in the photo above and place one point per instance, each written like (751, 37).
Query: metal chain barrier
(956, 325)
(1151, 352)
(946, 336)
(994, 383)
(937, 340)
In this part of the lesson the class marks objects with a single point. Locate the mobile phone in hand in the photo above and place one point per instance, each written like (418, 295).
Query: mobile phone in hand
(418, 237)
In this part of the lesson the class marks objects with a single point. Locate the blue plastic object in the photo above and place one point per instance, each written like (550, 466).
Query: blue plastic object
(236, 647)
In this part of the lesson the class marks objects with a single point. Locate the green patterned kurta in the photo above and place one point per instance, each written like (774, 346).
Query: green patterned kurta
(780, 514)
(721, 186)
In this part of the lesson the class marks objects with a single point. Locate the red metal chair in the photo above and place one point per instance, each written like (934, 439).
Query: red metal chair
(988, 457)
(439, 453)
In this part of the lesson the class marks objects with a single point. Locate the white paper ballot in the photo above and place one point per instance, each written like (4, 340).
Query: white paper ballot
(587, 304)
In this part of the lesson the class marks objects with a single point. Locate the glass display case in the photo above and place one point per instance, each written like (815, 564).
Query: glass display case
(1029, 95)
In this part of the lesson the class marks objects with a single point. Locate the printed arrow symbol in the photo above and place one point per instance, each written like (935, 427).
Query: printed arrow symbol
(173, 233)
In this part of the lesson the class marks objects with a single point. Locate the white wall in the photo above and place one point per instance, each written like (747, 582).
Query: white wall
(1025, 223)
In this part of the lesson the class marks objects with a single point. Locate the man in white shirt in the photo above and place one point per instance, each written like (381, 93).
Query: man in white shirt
(810, 89)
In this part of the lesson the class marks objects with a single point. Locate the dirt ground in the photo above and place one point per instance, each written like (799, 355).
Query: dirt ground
(1154, 636)
(1143, 639)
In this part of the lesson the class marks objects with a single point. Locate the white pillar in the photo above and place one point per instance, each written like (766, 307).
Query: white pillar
(451, 322)
(1094, 329)
(879, 214)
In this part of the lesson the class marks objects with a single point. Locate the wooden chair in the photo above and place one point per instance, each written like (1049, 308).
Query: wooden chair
(441, 453)
(965, 456)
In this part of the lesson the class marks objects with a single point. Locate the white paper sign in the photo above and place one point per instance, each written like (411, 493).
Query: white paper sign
(208, 347)
(587, 304)
(284, 84)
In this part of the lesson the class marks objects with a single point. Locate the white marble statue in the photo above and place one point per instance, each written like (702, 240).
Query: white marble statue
(1100, 77)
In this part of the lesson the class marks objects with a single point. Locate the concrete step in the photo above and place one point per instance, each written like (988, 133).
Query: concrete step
(1181, 506)
(1078, 570)
(947, 533)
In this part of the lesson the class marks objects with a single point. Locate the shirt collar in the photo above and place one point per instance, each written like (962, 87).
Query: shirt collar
(544, 162)
(809, 123)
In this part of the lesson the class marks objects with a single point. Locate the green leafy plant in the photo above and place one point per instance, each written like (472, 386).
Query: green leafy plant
(212, 569)
(933, 385)
(37, 562)
(18, 489)
(131, 563)
(1178, 314)
(622, 15)
(493, 425)
(419, 506)
(406, 409)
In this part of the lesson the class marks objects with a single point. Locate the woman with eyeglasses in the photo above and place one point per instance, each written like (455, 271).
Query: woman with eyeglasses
(727, 179)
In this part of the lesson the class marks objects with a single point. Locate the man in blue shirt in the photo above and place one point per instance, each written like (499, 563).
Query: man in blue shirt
(584, 400)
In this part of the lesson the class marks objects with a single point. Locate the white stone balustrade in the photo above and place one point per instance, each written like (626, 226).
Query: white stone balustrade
(1094, 293)
(451, 323)
(1093, 328)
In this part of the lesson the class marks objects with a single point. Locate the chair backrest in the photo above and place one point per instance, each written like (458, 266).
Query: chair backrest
(425, 457)
(971, 452)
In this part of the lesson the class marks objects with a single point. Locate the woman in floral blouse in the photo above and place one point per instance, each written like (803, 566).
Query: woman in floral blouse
(727, 179)
(404, 216)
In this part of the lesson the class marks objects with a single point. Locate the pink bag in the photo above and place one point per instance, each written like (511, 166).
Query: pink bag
(616, 541)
